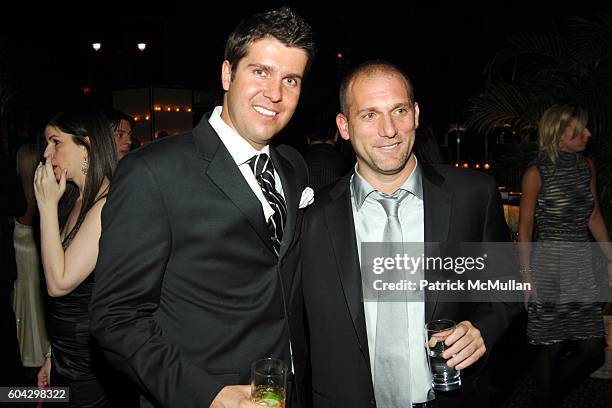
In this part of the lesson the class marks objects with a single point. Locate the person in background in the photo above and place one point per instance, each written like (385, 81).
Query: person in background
(122, 126)
(29, 301)
(12, 205)
(559, 208)
(70, 187)
(325, 163)
(426, 146)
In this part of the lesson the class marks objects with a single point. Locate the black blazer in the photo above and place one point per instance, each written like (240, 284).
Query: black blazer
(458, 207)
(325, 164)
(188, 289)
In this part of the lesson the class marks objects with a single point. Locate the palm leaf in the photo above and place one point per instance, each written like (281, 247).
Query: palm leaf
(571, 63)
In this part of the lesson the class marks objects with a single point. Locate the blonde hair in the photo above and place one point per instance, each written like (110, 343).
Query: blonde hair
(553, 123)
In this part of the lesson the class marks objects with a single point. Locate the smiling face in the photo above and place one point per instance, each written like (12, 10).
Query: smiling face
(572, 140)
(381, 125)
(264, 91)
(64, 153)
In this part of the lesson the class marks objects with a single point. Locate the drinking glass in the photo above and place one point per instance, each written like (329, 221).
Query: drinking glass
(444, 378)
(268, 382)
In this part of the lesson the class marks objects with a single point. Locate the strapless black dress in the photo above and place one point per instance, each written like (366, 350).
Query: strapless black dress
(76, 361)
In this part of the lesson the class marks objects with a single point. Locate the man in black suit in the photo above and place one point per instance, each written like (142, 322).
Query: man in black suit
(434, 203)
(198, 274)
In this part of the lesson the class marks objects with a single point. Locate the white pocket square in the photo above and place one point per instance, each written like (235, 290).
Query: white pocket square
(307, 197)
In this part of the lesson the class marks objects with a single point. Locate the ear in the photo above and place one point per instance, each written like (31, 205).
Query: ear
(416, 115)
(87, 142)
(342, 123)
(226, 75)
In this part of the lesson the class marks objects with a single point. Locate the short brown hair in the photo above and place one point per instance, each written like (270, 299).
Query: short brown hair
(283, 24)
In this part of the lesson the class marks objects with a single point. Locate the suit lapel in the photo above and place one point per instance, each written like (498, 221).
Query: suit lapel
(339, 216)
(437, 207)
(287, 175)
(224, 173)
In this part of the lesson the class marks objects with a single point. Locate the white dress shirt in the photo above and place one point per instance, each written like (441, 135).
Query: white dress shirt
(241, 151)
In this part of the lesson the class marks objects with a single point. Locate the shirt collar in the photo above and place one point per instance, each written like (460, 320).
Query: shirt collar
(361, 189)
(240, 150)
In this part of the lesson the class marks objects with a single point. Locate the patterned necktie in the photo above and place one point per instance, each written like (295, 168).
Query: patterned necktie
(263, 169)
(392, 358)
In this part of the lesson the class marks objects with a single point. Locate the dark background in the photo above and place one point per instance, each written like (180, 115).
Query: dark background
(443, 47)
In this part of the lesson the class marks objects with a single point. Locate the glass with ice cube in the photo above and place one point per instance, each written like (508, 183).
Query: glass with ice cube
(444, 378)
(269, 382)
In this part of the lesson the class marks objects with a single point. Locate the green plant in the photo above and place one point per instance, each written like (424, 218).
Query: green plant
(570, 62)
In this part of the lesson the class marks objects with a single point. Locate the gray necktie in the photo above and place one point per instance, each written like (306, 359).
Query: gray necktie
(392, 358)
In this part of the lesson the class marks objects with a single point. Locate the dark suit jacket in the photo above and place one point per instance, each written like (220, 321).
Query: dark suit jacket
(325, 164)
(188, 289)
(458, 207)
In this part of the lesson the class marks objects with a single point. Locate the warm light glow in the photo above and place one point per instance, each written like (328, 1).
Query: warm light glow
(487, 166)
(148, 117)
(136, 118)
(465, 165)
(477, 166)
(142, 46)
(339, 55)
(456, 164)
(96, 46)
(171, 108)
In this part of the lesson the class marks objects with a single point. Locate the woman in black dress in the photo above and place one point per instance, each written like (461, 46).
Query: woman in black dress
(71, 188)
(559, 209)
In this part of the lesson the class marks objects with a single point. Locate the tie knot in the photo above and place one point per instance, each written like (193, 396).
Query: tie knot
(260, 163)
(391, 203)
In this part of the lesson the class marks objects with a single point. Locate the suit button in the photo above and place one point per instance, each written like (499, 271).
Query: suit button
(372, 402)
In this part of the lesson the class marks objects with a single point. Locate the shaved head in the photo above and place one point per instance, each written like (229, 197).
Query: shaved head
(368, 69)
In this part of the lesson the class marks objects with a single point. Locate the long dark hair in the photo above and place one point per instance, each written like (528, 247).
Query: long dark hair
(102, 157)
(115, 116)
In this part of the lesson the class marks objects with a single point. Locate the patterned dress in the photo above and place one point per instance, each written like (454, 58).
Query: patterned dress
(565, 285)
